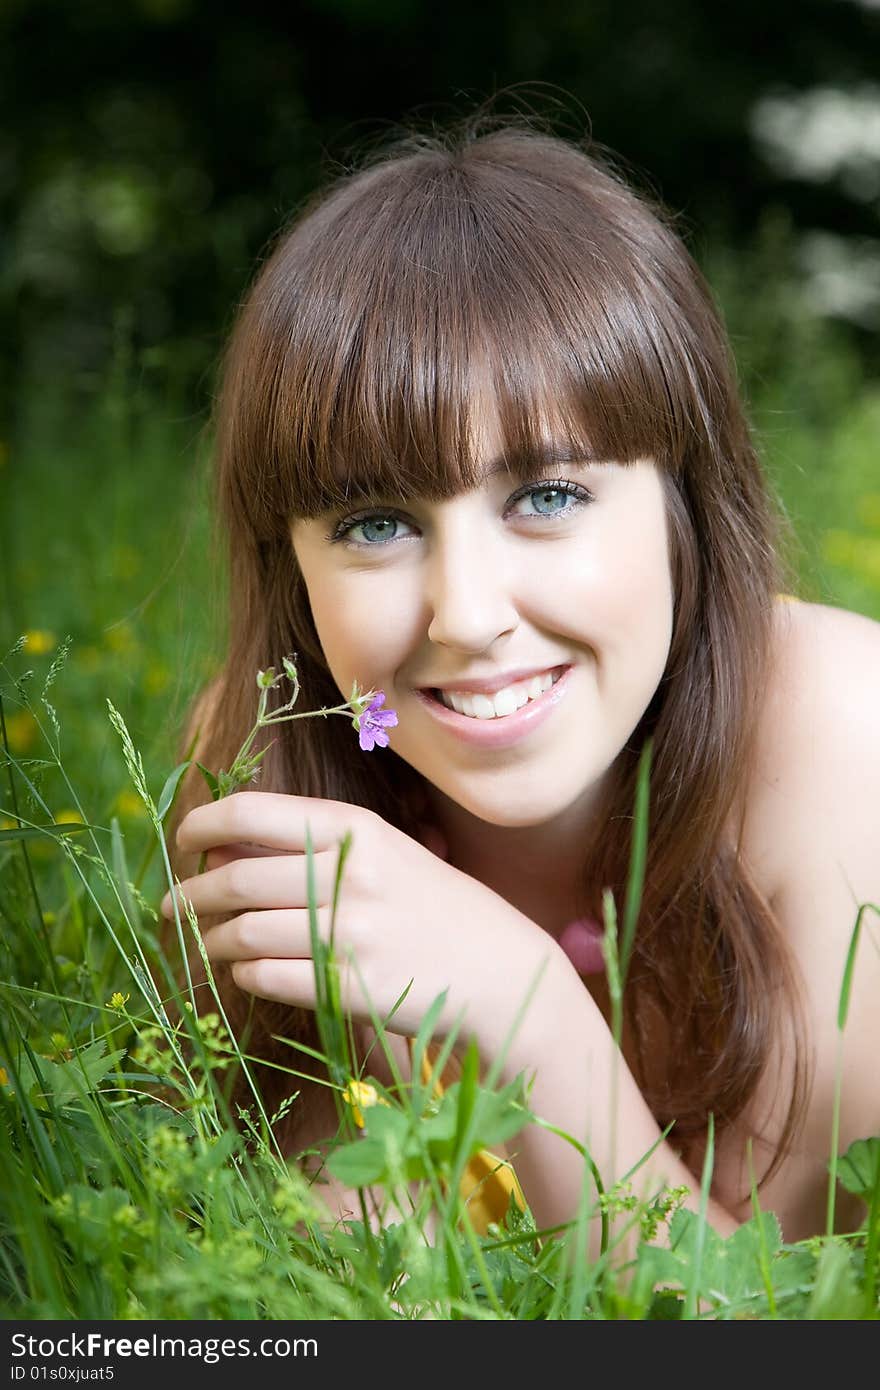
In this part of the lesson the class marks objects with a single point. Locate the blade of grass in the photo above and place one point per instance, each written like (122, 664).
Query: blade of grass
(842, 1015)
(692, 1292)
(638, 859)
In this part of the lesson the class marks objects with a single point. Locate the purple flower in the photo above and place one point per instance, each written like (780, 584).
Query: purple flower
(373, 722)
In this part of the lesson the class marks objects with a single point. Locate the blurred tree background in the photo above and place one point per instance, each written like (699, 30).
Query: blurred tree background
(149, 150)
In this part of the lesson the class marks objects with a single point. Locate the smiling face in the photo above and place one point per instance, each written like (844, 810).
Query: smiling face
(464, 610)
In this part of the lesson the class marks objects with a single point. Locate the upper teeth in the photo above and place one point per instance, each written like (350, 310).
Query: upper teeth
(505, 701)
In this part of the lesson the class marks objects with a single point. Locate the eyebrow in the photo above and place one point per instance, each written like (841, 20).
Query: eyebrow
(523, 465)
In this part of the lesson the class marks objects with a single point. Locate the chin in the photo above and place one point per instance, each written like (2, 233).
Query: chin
(509, 819)
(514, 813)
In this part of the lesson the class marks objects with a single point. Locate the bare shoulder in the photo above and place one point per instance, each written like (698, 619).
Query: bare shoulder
(813, 805)
(827, 661)
(815, 635)
(818, 738)
(813, 828)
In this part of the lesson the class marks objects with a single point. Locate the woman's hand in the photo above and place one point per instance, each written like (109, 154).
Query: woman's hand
(404, 916)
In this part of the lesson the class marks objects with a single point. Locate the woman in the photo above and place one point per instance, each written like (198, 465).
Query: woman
(480, 447)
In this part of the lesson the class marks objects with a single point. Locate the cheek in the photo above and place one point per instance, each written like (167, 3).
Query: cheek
(609, 579)
(641, 607)
(342, 627)
(363, 625)
(614, 592)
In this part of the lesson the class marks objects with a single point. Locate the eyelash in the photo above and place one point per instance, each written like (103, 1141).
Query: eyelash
(341, 531)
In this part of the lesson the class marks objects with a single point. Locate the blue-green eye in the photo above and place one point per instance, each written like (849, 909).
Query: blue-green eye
(551, 495)
(383, 524)
(381, 527)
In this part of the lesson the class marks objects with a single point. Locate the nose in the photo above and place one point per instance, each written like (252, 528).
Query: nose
(469, 591)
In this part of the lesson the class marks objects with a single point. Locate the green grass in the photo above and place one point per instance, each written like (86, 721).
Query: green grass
(128, 1192)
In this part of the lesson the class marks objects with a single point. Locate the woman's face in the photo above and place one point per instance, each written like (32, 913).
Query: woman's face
(487, 598)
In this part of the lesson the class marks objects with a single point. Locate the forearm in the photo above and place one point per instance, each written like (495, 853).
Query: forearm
(582, 1086)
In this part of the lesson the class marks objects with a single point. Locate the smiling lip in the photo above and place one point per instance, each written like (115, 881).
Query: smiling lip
(503, 732)
(492, 685)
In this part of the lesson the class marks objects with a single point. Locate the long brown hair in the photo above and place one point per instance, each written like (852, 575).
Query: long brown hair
(515, 252)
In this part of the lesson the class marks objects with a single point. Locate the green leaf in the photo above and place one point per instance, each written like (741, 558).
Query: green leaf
(846, 983)
(210, 779)
(32, 832)
(167, 794)
(90, 1217)
(71, 1079)
(467, 1093)
(397, 1145)
(730, 1271)
(425, 1034)
(359, 1164)
(500, 1114)
(393, 1241)
(122, 876)
(375, 1158)
(438, 1130)
(835, 1294)
(859, 1168)
(636, 877)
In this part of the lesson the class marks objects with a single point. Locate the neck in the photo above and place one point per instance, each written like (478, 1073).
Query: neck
(536, 868)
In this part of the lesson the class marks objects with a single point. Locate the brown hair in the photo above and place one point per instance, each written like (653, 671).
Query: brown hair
(351, 363)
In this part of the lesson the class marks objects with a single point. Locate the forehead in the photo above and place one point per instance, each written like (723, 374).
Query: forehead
(530, 439)
(494, 416)
(536, 464)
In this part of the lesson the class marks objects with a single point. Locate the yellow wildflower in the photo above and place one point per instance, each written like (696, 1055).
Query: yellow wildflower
(21, 730)
(7, 824)
(67, 816)
(128, 803)
(39, 641)
(360, 1095)
(117, 1000)
(120, 638)
(4, 1079)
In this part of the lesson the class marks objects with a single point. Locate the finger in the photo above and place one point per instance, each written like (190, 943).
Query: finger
(225, 854)
(258, 882)
(274, 935)
(273, 819)
(288, 981)
(293, 982)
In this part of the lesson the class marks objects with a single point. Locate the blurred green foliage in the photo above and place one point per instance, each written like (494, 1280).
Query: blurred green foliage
(149, 151)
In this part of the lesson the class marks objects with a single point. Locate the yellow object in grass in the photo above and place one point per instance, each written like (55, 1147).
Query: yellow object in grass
(488, 1181)
(21, 730)
(39, 641)
(360, 1095)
